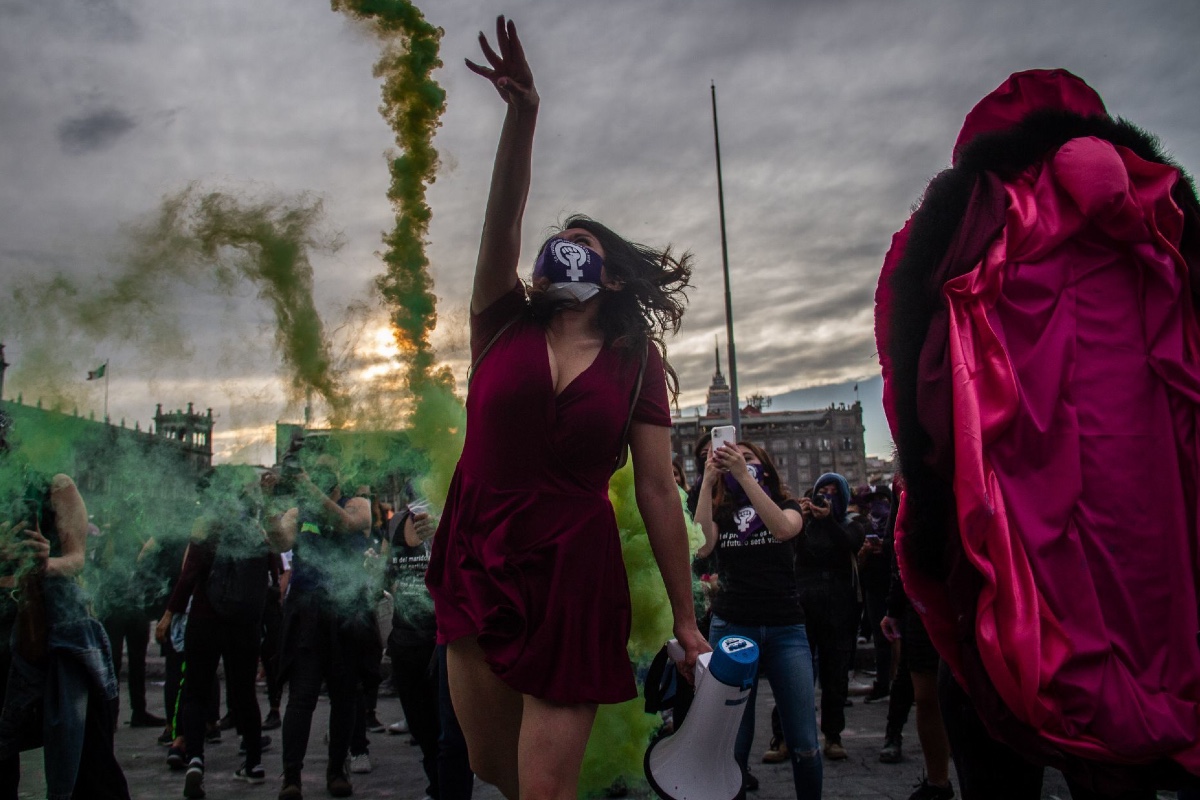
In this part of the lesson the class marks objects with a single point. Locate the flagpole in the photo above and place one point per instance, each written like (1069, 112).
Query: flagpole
(735, 410)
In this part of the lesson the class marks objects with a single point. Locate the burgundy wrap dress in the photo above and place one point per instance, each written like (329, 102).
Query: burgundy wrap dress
(527, 555)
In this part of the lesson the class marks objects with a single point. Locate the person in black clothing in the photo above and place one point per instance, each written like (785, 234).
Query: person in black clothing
(225, 579)
(874, 574)
(323, 625)
(825, 574)
(412, 640)
(121, 564)
(272, 640)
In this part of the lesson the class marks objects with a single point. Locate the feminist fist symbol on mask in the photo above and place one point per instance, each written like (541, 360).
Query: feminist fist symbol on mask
(573, 256)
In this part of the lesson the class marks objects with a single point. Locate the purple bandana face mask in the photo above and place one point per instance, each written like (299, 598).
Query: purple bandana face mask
(572, 269)
(745, 517)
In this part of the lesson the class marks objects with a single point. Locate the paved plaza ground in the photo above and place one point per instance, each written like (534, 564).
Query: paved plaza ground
(397, 772)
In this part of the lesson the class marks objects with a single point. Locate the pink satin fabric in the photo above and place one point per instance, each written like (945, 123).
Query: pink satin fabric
(1076, 384)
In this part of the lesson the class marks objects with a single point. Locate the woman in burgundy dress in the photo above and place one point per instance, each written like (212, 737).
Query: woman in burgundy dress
(526, 571)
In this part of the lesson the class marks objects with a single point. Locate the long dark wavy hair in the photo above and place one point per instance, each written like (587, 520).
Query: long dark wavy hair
(650, 304)
(723, 507)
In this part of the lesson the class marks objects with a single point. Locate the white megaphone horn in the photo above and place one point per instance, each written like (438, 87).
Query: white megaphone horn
(696, 762)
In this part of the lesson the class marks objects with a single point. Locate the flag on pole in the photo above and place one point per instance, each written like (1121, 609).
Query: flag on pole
(98, 372)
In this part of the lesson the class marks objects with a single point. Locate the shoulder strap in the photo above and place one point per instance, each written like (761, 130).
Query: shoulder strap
(488, 346)
(623, 455)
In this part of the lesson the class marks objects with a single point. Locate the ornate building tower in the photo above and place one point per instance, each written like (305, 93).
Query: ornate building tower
(719, 403)
(192, 431)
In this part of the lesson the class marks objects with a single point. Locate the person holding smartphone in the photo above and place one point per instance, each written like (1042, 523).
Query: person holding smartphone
(751, 523)
(526, 573)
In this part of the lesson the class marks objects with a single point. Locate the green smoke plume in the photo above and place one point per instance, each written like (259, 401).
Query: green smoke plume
(412, 105)
(213, 242)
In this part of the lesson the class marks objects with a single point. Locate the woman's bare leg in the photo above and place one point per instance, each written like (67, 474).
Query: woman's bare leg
(553, 740)
(489, 713)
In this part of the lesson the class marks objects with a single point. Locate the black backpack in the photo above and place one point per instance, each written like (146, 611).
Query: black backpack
(237, 582)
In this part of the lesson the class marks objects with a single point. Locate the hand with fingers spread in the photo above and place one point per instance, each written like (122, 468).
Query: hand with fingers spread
(509, 71)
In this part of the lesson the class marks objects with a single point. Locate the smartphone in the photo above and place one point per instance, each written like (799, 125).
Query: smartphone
(873, 537)
(723, 434)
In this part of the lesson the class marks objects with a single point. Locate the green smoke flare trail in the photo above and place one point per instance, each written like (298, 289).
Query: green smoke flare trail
(412, 105)
(265, 242)
(213, 241)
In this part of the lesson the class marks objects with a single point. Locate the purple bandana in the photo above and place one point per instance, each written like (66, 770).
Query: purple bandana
(572, 269)
(746, 519)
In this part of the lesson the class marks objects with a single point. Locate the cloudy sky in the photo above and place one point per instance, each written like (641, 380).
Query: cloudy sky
(834, 114)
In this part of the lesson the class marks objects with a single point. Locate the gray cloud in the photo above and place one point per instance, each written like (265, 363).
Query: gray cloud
(96, 130)
(834, 116)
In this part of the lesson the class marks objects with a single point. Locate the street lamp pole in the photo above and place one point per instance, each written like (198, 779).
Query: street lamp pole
(735, 410)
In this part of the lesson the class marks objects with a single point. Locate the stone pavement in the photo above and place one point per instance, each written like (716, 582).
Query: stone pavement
(397, 772)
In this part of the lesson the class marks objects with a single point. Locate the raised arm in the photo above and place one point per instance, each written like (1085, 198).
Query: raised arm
(500, 243)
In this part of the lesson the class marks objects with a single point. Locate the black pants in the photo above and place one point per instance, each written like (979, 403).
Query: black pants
(455, 779)
(988, 769)
(317, 647)
(831, 621)
(237, 643)
(134, 630)
(415, 676)
(876, 603)
(272, 641)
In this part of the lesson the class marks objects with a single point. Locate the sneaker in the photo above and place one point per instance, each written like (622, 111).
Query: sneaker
(928, 791)
(255, 774)
(272, 720)
(146, 720)
(166, 738)
(834, 751)
(227, 723)
(373, 723)
(398, 728)
(193, 781)
(176, 758)
(777, 753)
(263, 743)
(338, 784)
(360, 764)
(878, 692)
(212, 733)
(891, 752)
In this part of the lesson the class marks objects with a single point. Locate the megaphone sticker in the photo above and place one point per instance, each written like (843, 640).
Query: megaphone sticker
(732, 644)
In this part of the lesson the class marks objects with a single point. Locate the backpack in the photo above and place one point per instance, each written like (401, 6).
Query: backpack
(237, 582)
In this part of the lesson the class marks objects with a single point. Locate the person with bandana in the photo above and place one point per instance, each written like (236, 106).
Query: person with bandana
(529, 587)
(825, 572)
(751, 524)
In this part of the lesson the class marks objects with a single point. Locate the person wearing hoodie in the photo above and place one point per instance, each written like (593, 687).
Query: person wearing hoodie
(825, 573)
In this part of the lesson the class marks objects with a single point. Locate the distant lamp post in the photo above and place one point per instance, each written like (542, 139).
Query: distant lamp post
(735, 415)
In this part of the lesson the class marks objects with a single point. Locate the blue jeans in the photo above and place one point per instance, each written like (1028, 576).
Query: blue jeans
(785, 659)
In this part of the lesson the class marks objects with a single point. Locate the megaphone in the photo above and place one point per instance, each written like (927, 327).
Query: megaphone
(696, 762)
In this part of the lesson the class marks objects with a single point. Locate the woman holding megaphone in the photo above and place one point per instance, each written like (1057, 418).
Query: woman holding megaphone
(750, 521)
(526, 572)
